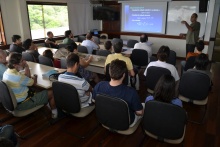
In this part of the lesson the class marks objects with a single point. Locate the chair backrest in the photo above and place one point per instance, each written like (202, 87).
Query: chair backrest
(103, 53)
(66, 99)
(7, 97)
(153, 75)
(194, 85)
(164, 120)
(81, 38)
(96, 39)
(139, 57)
(82, 49)
(131, 43)
(172, 58)
(28, 57)
(190, 63)
(45, 61)
(116, 40)
(63, 63)
(108, 78)
(104, 36)
(112, 112)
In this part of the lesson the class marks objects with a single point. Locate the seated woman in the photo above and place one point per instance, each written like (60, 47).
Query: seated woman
(165, 91)
(31, 48)
(48, 53)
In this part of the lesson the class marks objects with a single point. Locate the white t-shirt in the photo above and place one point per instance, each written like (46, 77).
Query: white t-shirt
(168, 66)
(144, 46)
(90, 45)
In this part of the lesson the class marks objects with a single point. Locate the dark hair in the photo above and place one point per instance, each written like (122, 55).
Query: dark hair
(143, 38)
(200, 45)
(72, 59)
(15, 37)
(165, 89)
(117, 68)
(27, 43)
(14, 58)
(48, 53)
(67, 33)
(88, 36)
(201, 62)
(108, 45)
(5, 142)
(118, 47)
(49, 32)
(163, 53)
(196, 15)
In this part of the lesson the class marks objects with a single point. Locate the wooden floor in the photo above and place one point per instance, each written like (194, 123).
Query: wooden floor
(206, 135)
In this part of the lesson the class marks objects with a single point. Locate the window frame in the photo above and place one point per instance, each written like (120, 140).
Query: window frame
(2, 31)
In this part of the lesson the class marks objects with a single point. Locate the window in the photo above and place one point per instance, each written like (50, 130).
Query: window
(47, 17)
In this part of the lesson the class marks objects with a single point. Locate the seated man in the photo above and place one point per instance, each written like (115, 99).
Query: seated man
(17, 44)
(143, 45)
(115, 88)
(18, 82)
(51, 41)
(31, 48)
(107, 51)
(90, 43)
(72, 77)
(69, 37)
(2, 63)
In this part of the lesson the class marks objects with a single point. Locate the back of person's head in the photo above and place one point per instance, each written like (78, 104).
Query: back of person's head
(27, 43)
(48, 53)
(117, 69)
(5, 142)
(67, 33)
(200, 45)
(72, 47)
(108, 45)
(201, 62)
(48, 33)
(163, 53)
(165, 89)
(71, 60)
(14, 58)
(195, 14)
(15, 37)
(89, 36)
(3, 55)
(143, 38)
(118, 47)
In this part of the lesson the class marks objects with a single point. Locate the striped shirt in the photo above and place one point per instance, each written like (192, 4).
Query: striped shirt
(80, 84)
(18, 83)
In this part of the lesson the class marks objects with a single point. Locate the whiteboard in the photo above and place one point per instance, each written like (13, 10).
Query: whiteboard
(182, 10)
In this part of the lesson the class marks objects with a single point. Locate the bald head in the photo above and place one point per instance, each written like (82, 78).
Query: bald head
(3, 56)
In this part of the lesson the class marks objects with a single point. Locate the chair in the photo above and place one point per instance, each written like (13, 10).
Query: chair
(28, 57)
(82, 49)
(107, 112)
(45, 61)
(68, 101)
(139, 57)
(104, 36)
(172, 58)
(116, 40)
(164, 122)
(81, 38)
(63, 63)
(103, 52)
(96, 39)
(194, 88)
(190, 63)
(131, 43)
(153, 75)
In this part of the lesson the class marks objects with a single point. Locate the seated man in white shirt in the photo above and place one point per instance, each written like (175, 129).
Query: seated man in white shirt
(143, 45)
(72, 77)
(90, 43)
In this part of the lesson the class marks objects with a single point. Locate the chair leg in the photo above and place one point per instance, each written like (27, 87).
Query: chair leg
(203, 118)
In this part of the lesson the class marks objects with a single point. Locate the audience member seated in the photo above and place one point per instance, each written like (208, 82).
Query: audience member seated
(17, 44)
(107, 51)
(143, 45)
(2, 63)
(115, 88)
(49, 54)
(30, 47)
(69, 38)
(90, 43)
(7, 136)
(165, 91)
(19, 83)
(51, 41)
(72, 77)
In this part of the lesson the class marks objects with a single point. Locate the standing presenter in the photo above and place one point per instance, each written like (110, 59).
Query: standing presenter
(192, 35)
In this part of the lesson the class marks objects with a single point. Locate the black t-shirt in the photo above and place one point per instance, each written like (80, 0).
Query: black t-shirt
(51, 44)
(16, 48)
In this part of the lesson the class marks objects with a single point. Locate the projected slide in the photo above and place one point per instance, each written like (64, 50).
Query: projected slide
(144, 17)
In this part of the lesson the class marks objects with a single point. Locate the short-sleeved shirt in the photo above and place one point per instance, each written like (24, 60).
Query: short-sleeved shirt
(18, 83)
(79, 83)
(2, 70)
(168, 66)
(174, 101)
(90, 45)
(144, 46)
(68, 41)
(51, 44)
(193, 36)
(128, 94)
(16, 48)
(119, 56)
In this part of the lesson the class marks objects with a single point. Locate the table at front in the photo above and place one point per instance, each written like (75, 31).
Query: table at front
(39, 69)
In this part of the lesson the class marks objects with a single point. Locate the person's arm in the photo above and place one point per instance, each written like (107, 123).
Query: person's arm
(26, 69)
(131, 72)
(140, 112)
(98, 47)
(190, 28)
(84, 63)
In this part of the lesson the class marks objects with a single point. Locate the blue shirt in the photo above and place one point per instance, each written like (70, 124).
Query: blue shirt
(2, 70)
(128, 94)
(175, 101)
